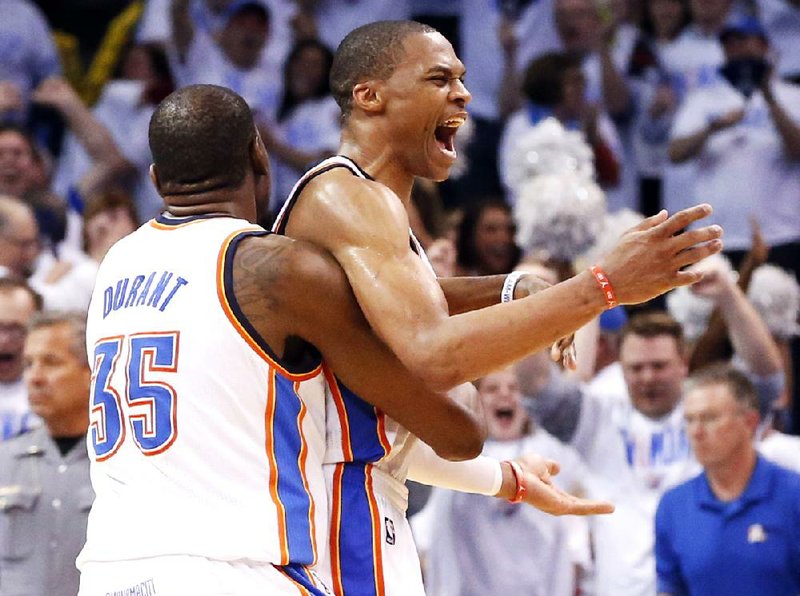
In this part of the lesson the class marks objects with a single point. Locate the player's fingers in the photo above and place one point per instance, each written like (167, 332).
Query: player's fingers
(578, 506)
(570, 358)
(555, 352)
(553, 467)
(693, 255)
(683, 218)
(651, 222)
(698, 236)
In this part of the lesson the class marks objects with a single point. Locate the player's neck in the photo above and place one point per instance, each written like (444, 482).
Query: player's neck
(380, 163)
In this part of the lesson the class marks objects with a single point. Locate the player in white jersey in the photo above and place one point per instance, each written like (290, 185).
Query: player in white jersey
(401, 91)
(207, 404)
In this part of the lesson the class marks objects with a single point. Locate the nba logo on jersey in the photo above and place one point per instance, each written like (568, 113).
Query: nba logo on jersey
(389, 525)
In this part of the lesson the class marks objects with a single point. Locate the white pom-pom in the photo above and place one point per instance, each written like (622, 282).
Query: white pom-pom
(691, 310)
(776, 295)
(559, 214)
(548, 148)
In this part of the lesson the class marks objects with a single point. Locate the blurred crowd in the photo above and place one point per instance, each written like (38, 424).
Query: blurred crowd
(585, 117)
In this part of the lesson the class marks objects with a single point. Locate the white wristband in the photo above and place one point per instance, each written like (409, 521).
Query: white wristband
(481, 476)
(510, 283)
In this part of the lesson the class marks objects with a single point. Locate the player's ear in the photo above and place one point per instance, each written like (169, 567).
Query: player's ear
(154, 177)
(368, 96)
(258, 156)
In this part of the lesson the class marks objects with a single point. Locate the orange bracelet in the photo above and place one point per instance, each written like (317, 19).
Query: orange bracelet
(516, 470)
(605, 286)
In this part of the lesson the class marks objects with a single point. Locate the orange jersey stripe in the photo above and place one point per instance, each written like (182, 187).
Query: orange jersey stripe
(269, 424)
(335, 529)
(226, 307)
(302, 457)
(338, 400)
(377, 554)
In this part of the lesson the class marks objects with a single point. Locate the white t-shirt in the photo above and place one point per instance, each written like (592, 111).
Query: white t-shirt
(782, 22)
(337, 18)
(637, 458)
(742, 171)
(782, 449)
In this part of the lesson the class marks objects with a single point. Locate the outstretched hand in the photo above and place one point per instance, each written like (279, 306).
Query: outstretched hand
(651, 257)
(545, 496)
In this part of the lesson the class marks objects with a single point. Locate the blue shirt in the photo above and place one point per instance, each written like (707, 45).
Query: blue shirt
(751, 545)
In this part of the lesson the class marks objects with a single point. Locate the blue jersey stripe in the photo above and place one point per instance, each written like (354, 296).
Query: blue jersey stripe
(366, 429)
(358, 552)
(300, 575)
(292, 493)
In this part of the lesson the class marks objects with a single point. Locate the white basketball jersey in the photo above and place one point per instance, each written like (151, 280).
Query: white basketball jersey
(202, 441)
(356, 430)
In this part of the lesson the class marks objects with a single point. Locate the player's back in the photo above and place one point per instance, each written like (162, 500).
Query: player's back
(203, 442)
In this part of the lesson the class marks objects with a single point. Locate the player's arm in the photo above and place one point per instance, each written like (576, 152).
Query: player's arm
(289, 289)
(464, 294)
(488, 476)
(365, 227)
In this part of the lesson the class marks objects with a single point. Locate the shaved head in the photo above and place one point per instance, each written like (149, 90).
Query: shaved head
(200, 138)
(369, 52)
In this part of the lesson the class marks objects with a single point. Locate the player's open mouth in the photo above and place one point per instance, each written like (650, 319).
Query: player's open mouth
(445, 135)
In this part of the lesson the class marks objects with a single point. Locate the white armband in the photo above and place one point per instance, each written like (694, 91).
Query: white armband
(482, 475)
(510, 283)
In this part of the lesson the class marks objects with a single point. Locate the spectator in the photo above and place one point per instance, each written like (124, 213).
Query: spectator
(18, 303)
(497, 40)
(637, 446)
(18, 170)
(474, 546)
(735, 528)
(234, 58)
(330, 20)
(27, 56)
(656, 91)
(485, 242)
(781, 19)
(94, 159)
(693, 62)
(45, 493)
(555, 86)
(743, 133)
(25, 258)
(307, 123)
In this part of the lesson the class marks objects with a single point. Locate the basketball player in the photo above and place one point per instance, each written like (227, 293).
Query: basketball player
(400, 88)
(207, 414)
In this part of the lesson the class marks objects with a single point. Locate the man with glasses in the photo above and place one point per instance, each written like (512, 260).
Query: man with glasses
(19, 238)
(18, 303)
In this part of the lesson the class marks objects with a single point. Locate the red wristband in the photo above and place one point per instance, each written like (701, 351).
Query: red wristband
(516, 470)
(605, 286)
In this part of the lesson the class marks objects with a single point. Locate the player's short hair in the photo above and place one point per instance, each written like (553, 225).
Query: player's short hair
(653, 324)
(367, 52)
(742, 390)
(200, 137)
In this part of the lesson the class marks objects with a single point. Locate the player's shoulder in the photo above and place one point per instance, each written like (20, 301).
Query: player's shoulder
(273, 259)
(339, 189)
